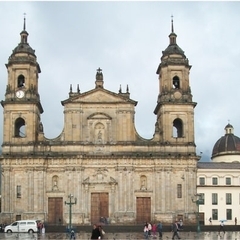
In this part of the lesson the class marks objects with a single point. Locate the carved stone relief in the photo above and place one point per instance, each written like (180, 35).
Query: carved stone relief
(100, 176)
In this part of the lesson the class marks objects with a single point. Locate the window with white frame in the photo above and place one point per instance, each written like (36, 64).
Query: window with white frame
(228, 198)
(201, 199)
(229, 214)
(214, 214)
(214, 181)
(228, 181)
(214, 199)
(202, 181)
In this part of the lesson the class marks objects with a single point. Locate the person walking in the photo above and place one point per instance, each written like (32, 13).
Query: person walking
(95, 232)
(210, 221)
(39, 226)
(43, 228)
(159, 229)
(175, 230)
(154, 230)
(221, 228)
(235, 221)
(181, 224)
(102, 232)
(149, 229)
(145, 230)
(72, 234)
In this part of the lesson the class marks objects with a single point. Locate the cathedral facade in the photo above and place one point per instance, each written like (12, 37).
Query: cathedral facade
(99, 163)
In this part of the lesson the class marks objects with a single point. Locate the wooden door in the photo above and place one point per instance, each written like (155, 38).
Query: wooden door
(143, 210)
(55, 210)
(99, 206)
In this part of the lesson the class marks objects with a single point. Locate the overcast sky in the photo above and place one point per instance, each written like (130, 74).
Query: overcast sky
(126, 40)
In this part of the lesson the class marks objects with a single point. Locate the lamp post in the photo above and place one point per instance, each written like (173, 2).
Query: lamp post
(70, 203)
(197, 201)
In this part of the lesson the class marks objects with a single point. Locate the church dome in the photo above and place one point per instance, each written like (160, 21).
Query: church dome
(24, 48)
(229, 144)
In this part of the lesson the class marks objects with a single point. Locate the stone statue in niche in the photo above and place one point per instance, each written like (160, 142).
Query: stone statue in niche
(99, 132)
(143, 184)
(55, 183)
(99, 135)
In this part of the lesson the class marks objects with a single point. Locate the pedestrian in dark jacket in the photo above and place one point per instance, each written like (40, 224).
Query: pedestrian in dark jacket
(175, 230)
(159, 229)
(95, 232)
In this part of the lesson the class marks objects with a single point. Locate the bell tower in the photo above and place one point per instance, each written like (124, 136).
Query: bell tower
(175, 108)
(22, 107)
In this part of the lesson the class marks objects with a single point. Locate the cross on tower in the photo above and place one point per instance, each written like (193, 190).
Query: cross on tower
(99, 70)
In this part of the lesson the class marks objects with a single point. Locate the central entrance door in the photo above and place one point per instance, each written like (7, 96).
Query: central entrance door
(99, 206)
(55, 210)
(143, 209)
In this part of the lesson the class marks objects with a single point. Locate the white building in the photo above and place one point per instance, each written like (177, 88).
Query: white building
(218, 181)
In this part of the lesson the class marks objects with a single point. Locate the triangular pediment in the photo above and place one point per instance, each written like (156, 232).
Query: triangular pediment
(99, 96)
(102, 96)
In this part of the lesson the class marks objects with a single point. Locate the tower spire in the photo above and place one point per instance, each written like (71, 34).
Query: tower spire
(24, 22)
(172, 24)
(172, 35)
(24, 33)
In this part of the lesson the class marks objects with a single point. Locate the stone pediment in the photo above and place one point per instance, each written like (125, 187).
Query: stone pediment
(99, 96)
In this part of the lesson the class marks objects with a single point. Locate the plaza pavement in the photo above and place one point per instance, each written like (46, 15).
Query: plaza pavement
(128, 236)
(130, 232)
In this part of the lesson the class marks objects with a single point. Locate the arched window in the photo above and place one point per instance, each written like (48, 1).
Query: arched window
(177, 128)
(21, 81)
(19, 130)
(176, 82)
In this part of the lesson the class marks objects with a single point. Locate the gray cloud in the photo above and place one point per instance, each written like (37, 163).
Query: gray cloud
(126, 39)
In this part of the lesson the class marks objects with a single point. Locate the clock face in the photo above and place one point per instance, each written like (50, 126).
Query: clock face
(177, 95)
(20, 94)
